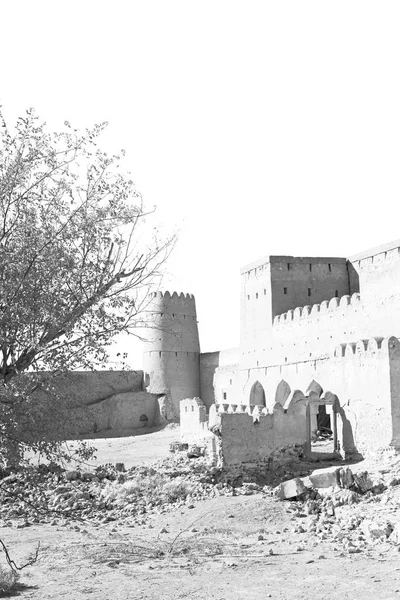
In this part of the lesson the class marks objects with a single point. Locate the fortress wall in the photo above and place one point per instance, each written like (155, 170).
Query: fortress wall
(193, 420)
(171, 323)
(225, 385)
(378, 270)
(172, 351)
(88, 387)
(210, 364)
(177, 373)
(122, 413)
(313, 331)
(304, 281)
(255, 305)
(365, 377)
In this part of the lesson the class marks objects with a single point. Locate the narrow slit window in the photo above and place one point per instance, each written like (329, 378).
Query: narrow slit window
(257, 296)
(224, 395)
(330, 267)
(248, 297)
(336, 294)
(288, 266)
(309, 291)
(310, 267)
(285, 290)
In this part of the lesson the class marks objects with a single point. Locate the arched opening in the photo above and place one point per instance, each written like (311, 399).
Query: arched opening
(257, 394)
(144, 420)
(282, 392)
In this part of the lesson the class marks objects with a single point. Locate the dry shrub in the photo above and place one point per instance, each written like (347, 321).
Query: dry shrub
(153, 488)
(8, 579)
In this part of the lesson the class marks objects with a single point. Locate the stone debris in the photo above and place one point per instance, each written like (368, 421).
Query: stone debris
(291, 489)
(357, 511)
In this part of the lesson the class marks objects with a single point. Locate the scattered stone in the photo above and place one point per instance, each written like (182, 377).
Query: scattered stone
(292, 488)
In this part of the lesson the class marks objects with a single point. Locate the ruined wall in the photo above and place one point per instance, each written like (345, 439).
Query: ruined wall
(245, 438)
(171, 357)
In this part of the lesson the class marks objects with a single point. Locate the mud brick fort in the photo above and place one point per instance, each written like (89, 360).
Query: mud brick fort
(316, 334)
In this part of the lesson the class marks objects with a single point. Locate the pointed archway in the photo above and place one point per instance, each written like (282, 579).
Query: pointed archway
(257, 394)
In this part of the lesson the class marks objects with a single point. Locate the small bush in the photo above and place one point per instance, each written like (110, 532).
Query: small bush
(8, 579)
(154, 488)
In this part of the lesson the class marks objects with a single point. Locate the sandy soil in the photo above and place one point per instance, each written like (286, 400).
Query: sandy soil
(223, 548)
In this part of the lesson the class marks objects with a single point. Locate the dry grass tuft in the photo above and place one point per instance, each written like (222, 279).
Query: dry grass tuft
(8, 579)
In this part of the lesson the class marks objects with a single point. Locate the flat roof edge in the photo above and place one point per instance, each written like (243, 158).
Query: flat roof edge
(285, 258)
(375, 250)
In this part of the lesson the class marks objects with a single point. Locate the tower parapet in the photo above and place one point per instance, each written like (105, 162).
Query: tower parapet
(172, 351)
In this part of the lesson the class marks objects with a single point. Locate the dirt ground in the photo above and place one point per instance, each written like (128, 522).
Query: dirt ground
(223, 548)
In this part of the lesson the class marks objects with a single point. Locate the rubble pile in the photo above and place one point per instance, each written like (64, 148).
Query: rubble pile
(353, 509)
(42, 495)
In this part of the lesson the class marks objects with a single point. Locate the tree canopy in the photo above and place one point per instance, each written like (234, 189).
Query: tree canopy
(77, 259)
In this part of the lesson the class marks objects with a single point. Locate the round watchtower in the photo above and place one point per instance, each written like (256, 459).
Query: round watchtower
(171, 359)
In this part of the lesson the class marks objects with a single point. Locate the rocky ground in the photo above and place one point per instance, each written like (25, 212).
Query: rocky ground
(180, 528)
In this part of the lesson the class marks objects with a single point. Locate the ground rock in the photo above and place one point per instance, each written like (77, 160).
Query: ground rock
(325, 478)
(376, 529)
(395, 535)
(290, 489)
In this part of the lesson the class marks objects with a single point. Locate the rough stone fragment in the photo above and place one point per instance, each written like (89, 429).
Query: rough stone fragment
(376, 529)
(325, 478)
(395, 535)
(290, 489)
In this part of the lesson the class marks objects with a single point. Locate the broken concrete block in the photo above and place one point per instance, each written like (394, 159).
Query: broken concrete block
(290, 489)
(325, 478)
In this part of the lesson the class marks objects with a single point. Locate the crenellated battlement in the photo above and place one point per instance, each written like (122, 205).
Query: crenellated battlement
(167, 295)
(372, 347)
(315, 310)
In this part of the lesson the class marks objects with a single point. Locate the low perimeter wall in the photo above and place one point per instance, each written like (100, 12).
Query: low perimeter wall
(245, 434)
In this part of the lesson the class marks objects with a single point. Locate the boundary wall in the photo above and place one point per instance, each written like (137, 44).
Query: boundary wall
(247, 436)
(365, 377)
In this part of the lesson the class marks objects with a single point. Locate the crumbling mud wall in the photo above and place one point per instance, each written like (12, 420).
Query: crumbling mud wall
(255, 437)
(243, 435)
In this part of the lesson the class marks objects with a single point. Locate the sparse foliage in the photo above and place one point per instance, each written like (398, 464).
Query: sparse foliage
(76, 265)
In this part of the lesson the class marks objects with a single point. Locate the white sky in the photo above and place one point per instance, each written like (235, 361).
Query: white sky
(256, 127)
